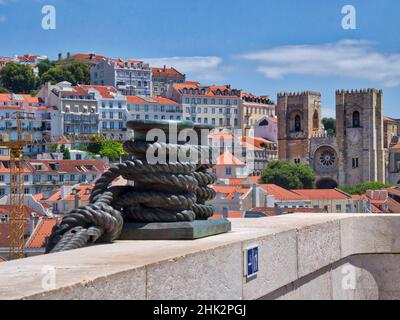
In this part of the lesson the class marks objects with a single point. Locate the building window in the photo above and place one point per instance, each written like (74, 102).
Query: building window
(228, 171)
(316, 120)
(338, 208)
(355, 163)
(297, 161)
(356, 119)
(297, 123)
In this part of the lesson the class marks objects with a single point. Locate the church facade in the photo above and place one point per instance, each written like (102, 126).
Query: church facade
(355, 154)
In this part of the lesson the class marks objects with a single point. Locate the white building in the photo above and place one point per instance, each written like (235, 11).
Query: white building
(113, 112)
(214, 105)
(153, 108)
(131, 77)
(38, 122)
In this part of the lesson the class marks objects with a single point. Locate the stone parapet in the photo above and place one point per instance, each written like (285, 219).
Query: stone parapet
(301, 256)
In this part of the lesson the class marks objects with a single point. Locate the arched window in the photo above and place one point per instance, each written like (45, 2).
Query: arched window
(297, 123)
(316, 120)
(356, 119)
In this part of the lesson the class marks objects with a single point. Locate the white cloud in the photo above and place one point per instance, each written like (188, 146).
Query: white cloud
(196, 68)
(348, 58)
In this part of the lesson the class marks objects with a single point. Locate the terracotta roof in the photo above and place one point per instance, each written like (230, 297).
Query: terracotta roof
(83, 191)
(257, 142)
(105, 92)
(231, 215)
(313, 194)
(246, 95)
(2, 259)
(150, 100)
(68, 166)
(5, 167)
(24, 99)
(230, 191)
(394, 191)
(394, 206)
(228, 159)
(166, 73)
(209, 91)
(5, 234)
(281, 193)
(389, 119)
(28, 58)
(41, 233)
(86, 56)
(241, 181)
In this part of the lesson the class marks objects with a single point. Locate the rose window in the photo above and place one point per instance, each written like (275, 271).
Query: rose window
(327, 158)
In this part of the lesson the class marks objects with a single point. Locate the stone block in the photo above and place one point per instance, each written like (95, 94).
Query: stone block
(175, 231)
(318, 246)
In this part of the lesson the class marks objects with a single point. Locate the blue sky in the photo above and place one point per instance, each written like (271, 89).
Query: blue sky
(261, 46)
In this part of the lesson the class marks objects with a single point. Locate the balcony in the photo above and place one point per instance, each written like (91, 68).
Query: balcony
(301, 256)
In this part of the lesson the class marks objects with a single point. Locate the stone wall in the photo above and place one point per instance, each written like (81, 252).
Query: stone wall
(300, 256)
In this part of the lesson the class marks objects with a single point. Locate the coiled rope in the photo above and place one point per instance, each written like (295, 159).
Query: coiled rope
(170, 192)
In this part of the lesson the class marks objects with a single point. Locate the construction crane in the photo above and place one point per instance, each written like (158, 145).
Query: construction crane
(17, 193)
(17, 214)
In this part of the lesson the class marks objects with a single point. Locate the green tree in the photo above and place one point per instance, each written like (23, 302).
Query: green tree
(363, 187)
(45, 66)
(289, 175)
(76, 72)
(56, 75)
(4, 90)
(18, 78)
(329, 125)
(80, 72)
(112, 150)
(53, 148)
(66, 153)
(105, 148)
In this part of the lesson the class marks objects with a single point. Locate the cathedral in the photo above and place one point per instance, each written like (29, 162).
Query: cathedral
(355, 154)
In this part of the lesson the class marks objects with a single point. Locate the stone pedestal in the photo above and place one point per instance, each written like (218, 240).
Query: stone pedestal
(175, 231)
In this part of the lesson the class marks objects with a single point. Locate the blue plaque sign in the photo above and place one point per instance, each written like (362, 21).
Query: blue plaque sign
(251, 267)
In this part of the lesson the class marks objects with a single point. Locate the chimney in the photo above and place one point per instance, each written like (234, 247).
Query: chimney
(165, 67)
(77, 201)
(225, 213)
(60, 56)
(256, 203)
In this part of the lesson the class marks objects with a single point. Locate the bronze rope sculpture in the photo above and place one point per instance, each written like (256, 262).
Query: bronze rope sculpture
(162, 192)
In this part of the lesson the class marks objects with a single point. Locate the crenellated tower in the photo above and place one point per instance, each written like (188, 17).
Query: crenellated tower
(299, 119)
(360, 136)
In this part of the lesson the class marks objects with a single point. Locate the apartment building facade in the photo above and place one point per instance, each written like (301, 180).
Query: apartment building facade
(77, 106)
(46, 176)
(131, 77)
(37, 121)
(153, 108)
(113, 112)
(255, 108)
(214, 105)
(163, 77)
